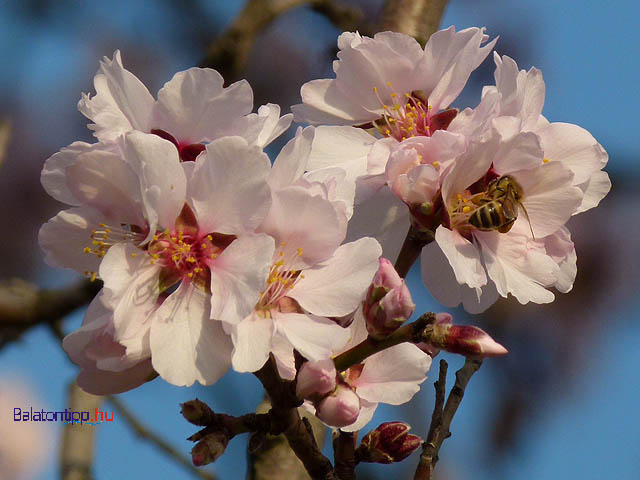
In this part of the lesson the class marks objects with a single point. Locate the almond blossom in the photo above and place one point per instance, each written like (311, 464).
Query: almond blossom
(175, 246)
(313, 279)
(500, 255)
(193, 108)
(514, 105)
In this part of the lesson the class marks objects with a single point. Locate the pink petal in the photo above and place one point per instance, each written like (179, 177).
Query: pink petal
(463, 256)
(251, 343)
(316, 338)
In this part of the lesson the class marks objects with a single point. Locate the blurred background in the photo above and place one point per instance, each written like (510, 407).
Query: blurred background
(562, 404)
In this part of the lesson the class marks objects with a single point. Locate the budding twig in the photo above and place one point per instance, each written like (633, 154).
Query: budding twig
(344, 454)
(414, 332)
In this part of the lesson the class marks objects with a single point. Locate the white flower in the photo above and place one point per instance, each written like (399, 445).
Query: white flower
(192, 108)
(146, 223)
(313, 278)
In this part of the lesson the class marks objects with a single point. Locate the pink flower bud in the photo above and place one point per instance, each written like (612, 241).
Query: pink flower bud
(441, 319)
(388, 303)
(209, 449)
(386, 276)
(466, 340)
(340, 408)
(388, 443)
(316, 378)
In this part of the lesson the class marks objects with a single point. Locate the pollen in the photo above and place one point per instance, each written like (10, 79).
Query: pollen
(545, 160)
(466, 209)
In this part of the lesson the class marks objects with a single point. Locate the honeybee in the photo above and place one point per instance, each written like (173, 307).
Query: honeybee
(498, 209)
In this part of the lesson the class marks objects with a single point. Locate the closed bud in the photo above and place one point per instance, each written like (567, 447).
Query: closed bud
(316, 378)
(388, 303)
(441, 319)
(466, 340)
(196, 412)
(209, 449)
(340, 408)
(389, 443)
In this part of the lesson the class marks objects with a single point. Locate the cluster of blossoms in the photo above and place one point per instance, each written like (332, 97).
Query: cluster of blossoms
(213, 257)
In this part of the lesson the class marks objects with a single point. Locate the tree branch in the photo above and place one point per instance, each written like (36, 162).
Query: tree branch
(298, 432)
(344, 454)
(413, 244)
(76, 452)
(418, 18)
(230, 51)
(23, 305)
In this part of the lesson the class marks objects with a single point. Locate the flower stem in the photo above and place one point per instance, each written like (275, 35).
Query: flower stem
(411, 248)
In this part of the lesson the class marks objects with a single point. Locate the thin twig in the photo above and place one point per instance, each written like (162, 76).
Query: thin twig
(76, 451)
(463, 376)
(429, 448)
(143, 432)
(418, 18)
(230, 51)
(5, 136)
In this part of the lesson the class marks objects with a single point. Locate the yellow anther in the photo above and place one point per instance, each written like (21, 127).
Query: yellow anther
(393, 95)
(429, 107)
(387, 131)
(282, 254)
(282, 244)
(203, 245)
(458, 197)
(375, 89)
(155, 237)
(190, 274)
(134, 255)
(388, 84)
(101, 225)
(93, 277)
(545, 160)
(213, 255)
(407, 95)
(86, 249)
(210, 238)
(299, 250)
(107, 230)
(436, 164)
(302, 276)
(191, 260)
(466, 209)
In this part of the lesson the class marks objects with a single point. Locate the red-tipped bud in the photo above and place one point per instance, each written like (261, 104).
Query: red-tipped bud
(316, 378)
(209, 449)
(196, 412)
(466, 340)
(388, 443)
(388, 303)
(441, 319)
(340, 408)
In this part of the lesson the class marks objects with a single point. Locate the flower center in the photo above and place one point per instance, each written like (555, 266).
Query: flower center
(282, 278)
(103, 237)
(188, 151)
(186, 255)
(410, 115)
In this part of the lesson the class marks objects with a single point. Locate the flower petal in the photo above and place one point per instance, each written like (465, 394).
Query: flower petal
(102, 382)
(194, 107)
(595, 189)
(122, 103)
(65, 236)
(186, 345)
(163, 183)
(228, 187)
(335, 287)
(393, 375)
(463, 256)
(367, 409)
(316, 338)
(251, 343)
(516, 268)
(238, 276)
(292, 160)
